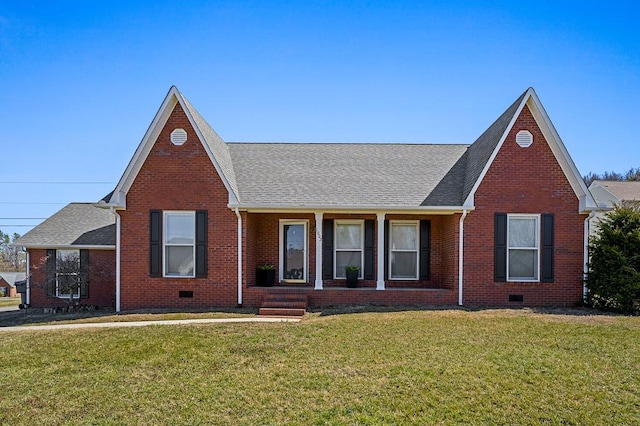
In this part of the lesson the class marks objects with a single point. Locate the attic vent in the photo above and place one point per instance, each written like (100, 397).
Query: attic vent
(524, 138)
(178, 137)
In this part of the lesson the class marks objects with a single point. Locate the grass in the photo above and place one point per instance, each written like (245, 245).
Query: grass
(413, 367)
(9, 301)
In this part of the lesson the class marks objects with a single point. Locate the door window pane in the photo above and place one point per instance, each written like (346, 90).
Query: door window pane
(294, 252)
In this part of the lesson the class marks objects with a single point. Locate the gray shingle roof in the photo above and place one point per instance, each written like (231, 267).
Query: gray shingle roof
(324, 174)
(624, 190)
(480, 151)
(12, 277)
(77, 224)
(216, 144)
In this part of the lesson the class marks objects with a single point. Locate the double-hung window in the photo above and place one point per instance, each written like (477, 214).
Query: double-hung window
(403, 250)
(68, 273)
(179, 243)
(349, 243)
(523, 247)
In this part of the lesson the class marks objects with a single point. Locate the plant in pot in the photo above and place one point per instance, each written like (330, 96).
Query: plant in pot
(352, 276)
(265, 275)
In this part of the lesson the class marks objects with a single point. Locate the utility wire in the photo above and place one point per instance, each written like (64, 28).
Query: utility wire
(20, 202)
(53, 183)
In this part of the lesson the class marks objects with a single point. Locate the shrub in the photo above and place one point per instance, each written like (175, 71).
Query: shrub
(614, 269)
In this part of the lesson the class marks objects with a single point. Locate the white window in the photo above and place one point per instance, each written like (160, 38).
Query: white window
(403, 250)
(293, 251)
(523, 247)
(179, 240)
(68, 273)
(349, 243)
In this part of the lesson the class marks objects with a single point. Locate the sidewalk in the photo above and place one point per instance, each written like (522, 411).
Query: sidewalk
(145, 323)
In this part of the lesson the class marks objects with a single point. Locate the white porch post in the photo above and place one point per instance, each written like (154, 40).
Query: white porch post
(380, 268)
(318, 285)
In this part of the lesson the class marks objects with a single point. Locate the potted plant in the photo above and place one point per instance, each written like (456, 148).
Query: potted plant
(352, 276)
(265, 275)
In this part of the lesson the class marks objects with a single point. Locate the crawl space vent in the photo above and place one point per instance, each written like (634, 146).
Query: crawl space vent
(178, 137)
(524, 138)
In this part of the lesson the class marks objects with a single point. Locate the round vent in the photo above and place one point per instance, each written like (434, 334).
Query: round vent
(524, 138)
(178, 137)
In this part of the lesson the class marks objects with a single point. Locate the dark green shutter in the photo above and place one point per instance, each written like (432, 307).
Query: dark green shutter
(155, 243)
(547, 248)
(50, 273)
(386, 249)
(327, 249)
(201, 244)
(500, 247)
(369, 249)
(425, 249)
(84, 274)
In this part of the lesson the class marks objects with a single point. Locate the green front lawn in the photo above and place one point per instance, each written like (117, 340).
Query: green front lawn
(415, 367)
(9, 301)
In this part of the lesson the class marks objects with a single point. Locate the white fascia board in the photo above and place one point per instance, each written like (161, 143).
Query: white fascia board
(469, 203)
(68, 247)
(436, 210)
(610, 196)
(232, 195)
(587, 203)
(139, 157)
(151, 135)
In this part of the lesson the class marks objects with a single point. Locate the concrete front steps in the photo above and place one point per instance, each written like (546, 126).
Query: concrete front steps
(284, 305)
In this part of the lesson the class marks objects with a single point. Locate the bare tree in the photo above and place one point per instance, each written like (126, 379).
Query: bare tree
(11, 258)
(63, 274)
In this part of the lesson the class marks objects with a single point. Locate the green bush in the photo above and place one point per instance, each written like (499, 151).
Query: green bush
(614, 268)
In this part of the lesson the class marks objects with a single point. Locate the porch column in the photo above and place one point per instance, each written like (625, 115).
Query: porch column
(318, 285)
(380, 268)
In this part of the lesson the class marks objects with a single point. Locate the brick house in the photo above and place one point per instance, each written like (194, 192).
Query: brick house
(8, 283)
(499, 222)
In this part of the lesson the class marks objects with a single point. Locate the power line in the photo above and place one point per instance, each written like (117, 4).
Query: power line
(20, 203)
(19, 226)
(53, 183)
(22, 218)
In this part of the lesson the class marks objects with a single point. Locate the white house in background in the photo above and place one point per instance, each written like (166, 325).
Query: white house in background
(608, 193)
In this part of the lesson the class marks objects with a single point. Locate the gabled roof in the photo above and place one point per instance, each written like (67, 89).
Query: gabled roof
(622, 190)
(343, 175)
(78, 225)
(493, 139)
(214, 146)
(12, 277)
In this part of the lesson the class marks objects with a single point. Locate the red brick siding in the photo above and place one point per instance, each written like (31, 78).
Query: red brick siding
(178, 178)
(102, 282)
(524, 180)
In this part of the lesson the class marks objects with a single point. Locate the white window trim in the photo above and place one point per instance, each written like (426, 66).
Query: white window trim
(416, 223)
(282, 224)
(537, 247)
(66, 295)
(166, 213)
(336, 249)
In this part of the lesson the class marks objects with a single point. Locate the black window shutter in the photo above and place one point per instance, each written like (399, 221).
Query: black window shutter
(201, 244)
(327, 249)
(547, 248)
(155, 243)
(500, 247)
(50, 273)
(84, 274)
(425, 249)
(386, 249)
(369, 249)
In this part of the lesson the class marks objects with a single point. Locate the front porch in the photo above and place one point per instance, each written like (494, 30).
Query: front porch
(403, 259)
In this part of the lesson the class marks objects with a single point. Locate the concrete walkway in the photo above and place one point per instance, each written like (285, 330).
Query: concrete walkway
(145, 323)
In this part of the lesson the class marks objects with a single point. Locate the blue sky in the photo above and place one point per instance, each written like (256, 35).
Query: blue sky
(81, 81)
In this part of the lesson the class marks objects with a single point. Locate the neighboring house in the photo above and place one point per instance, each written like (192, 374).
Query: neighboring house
(8, 283)
(497, 222)
(608, 193)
